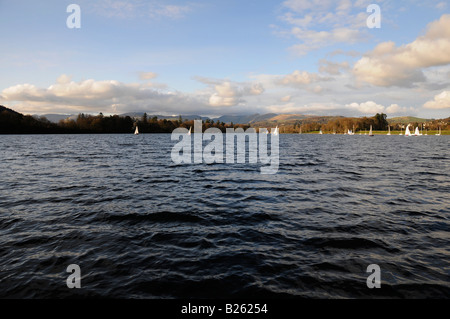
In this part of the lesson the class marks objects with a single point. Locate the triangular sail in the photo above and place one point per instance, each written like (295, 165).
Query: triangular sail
(417, 132)
(407, 131)
(136, 132)
(276, 132)
(371, 133)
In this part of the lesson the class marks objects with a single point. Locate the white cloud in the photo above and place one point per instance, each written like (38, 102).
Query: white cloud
(147, 75)
(396, 109)
(368, 107)
(389, 65)
(66, 96)
(317, 24)
(332, 68)
(298, 79)
(371, 108)
(286, 98)
(226, 93)
(441, 101)
(230, 94)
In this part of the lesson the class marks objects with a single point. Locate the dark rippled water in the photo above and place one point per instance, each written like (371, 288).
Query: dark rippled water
(141, 227)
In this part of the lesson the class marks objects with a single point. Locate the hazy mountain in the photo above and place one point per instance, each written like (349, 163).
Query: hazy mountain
(139, 115)
(245, 119)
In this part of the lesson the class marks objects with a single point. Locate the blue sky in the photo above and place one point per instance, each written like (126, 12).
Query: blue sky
(226, 57)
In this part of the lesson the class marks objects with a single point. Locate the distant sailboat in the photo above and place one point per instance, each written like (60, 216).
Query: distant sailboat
(276, 132)
(136, 132)
(389, 133)
(417, 132)
(189, 133)
(370, 132)
(440, 133)
(320, 132)
(407, 131)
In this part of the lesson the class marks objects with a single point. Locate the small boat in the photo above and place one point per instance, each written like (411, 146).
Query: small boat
(389, 133)
(276, 132)
(136, 131)
(320, 132)
(189, 133)
(440, 133)
(407, 131)
(371, 133)
(417, 132)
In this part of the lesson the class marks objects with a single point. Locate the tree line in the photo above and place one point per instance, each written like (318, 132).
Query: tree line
(12, 122)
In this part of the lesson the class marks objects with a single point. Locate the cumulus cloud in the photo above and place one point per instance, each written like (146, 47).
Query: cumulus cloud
(68, 96)
(441, 101)
(388, 65)
(227, 93)
(371, 107)
(298, 79)
(368, 107)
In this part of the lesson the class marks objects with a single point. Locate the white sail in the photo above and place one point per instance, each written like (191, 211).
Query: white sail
(189, 133)
(371, 133)
(320, 132)
(136, 132)
(276, 132)
(407, 131)
(417, 132)
(439, 134)
(389, 133)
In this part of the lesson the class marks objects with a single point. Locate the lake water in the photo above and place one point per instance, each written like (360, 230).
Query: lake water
(140, 226)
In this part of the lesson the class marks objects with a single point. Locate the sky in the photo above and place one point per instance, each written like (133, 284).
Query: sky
(226, 57)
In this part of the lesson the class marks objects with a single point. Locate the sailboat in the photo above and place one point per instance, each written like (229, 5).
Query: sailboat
(417, 132)
(276, 132)
(136, 132)
(189, 133)
(371, 133)
(320, 132)
(440, 133)
(389, 133)
(407, 131)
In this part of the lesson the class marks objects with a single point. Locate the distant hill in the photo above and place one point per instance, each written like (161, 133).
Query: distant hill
(292, 119)
(55, 118)
(245, 119)
(12, 122)
(406, 120)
